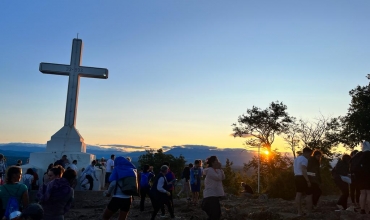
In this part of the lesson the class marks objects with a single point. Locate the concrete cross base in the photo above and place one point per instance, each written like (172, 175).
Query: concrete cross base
(67, 139)
(41, 160)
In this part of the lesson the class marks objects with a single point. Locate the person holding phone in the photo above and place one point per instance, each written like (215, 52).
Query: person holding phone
(213, 188)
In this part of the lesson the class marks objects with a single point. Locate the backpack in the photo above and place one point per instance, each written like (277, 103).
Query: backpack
(144, 179)
(13, 204)
(128, 185)
(27, 182)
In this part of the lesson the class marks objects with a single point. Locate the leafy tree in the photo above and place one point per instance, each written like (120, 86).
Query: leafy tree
(271, 165)
(232, 181)
(262, 126)
(156, 159)
(356, 123)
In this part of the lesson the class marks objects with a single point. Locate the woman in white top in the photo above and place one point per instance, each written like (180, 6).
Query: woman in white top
(213, 188)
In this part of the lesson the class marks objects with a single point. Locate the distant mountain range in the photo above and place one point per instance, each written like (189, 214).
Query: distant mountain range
(190, 152)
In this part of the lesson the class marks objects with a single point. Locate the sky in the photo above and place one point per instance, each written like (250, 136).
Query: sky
(180, 72)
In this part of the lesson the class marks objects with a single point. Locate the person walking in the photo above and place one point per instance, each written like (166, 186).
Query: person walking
(195, 178)
(170, 177)
(89, 172)
(159, 195)
(302, 182)
(144, 185)
(314, 175)
(2, 169)
(213, 188)
(119, 201)
(108, 169)
(342, 179)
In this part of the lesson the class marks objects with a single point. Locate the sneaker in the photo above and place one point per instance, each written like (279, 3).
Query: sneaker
(163, 216)
(176, 217)
(351, 209)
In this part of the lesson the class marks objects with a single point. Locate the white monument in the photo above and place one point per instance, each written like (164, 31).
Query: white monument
(68, 141)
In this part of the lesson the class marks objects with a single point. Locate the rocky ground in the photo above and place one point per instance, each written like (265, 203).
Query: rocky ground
(90, 206)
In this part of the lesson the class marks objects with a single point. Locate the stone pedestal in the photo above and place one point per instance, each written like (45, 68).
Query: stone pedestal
(67, 141)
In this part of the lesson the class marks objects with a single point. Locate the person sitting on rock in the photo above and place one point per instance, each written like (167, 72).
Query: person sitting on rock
(248, 191)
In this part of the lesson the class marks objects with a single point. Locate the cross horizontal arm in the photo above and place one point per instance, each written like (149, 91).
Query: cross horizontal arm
(93, 72)
(58, 69)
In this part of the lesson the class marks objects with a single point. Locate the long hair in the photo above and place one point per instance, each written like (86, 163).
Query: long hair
(316, 153)
(211, 160)
(12, 170)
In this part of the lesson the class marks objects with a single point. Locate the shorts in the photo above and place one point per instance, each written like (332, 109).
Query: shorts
(195, 187)
(107, 175)
(122, 204)
(301, 185)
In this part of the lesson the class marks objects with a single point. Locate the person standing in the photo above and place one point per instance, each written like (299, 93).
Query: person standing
(59, 195)
(108, 169)
(12, 188)
(159, 195)
(301, 180)
(73, 166)
(19, 163)
(363, 176)
(89, 172)
(144, 185)
(62, 162)
(195, 178)
(314, 175)
(185, 182)
(213, 188)
(354, 187)
(170, 177)
(2, 169)
(342, 172)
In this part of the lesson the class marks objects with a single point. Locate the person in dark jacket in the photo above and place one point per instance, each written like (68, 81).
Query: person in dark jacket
(363, 177)
(342, 171)
(160, 195)
(314, 175)
(354, 186)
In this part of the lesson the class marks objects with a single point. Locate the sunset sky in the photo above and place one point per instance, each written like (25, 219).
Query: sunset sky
(180, 72)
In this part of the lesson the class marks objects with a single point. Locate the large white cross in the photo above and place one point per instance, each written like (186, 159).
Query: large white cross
(74, 71)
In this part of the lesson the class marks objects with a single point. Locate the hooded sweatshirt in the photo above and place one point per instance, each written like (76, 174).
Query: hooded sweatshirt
(57, 199)
(122, 168)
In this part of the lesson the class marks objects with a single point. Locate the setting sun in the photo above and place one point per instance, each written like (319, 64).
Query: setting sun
(267, 152)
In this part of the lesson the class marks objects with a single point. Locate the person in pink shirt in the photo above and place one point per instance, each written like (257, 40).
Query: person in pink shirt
(213, 188)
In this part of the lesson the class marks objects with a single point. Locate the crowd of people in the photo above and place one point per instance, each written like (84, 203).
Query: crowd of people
(351, 174)
(55, 194)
